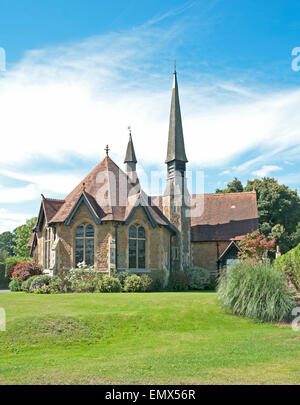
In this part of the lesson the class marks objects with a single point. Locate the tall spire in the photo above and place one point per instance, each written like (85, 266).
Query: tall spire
(176, 150)
(130, 154)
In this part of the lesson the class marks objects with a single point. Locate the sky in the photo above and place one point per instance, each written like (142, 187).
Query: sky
(79, 72)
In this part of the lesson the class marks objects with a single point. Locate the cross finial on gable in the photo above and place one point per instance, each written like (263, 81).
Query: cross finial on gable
(107, 150)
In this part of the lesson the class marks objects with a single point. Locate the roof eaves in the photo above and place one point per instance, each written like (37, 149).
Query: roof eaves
(83, 199)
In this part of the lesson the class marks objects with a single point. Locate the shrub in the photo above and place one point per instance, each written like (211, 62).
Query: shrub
(4, 281)
(147, 283)
(40, 285)
(133, 283)
(158, 279)
(27, 284)
(257, 291)
(198, 278)
(15, 285)
(178, 282)
(10, 263)
(121, 276)
(56, 285)
(22, 271)
(213, 283)
(109, 284)
(289, 263)
(84, 279)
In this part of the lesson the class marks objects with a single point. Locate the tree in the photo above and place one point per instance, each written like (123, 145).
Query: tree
(22, 236)
(255, 246)
(7, 243)
(233, 187)
(278, 209)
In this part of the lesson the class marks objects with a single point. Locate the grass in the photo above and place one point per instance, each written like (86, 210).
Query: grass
(167, 338)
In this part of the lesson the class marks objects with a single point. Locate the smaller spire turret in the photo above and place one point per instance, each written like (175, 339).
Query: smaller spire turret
(130, 153)
(130, 159)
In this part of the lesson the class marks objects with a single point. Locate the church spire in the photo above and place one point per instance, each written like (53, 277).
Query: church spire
(176, 149)
(130, 154)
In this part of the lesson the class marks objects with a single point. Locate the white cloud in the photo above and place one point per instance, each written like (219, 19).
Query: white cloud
(73, 99)
(10, 220)
(265, 170)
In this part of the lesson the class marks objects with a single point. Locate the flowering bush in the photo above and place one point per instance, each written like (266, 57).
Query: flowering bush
(147, 283)
(121, 276)
(82, 279)
(133, 283)
(109, 284)
(40, 284)
(22, 271)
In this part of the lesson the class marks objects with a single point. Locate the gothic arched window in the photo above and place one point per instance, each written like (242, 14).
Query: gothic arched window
(137, 247)
(47, 247)
(84, 246)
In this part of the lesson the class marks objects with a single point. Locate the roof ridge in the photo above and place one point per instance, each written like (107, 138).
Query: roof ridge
(222, 194)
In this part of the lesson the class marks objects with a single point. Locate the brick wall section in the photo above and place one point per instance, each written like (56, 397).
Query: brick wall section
(205, 254)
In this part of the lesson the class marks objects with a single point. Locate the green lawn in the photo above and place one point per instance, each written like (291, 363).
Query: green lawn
(176, 338)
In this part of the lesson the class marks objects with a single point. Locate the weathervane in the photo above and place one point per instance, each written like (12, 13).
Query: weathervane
(107, 150)
(129, 129)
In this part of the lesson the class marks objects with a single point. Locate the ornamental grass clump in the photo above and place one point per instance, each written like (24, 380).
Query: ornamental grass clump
(256, 291)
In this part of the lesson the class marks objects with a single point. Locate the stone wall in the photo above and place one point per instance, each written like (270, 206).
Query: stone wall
(157, 242)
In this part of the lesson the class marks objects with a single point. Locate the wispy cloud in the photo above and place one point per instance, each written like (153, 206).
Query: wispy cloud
(67, 102)
(266, 170)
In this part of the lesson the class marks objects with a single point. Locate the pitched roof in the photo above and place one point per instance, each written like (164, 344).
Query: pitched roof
(176, 149)
(110, 195)
(224, 216)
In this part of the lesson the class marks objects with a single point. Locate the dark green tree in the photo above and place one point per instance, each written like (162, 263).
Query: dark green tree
(7, 243)
(235, 186)
(22, 236)
(277, 204)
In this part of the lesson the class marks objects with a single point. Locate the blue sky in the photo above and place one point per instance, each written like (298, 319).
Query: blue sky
(79, 72)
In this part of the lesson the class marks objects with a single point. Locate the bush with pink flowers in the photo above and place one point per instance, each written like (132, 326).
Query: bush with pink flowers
(22, 271)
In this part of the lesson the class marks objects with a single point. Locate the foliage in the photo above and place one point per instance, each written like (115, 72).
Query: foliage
(22, 236)
(14, 285)
(109, 284)
(40, 284)
(213, 283)
(56, 285)
(235, 186)
(277, 205)
(7, 243)
(83, 279)
(198, 278)
(4, 281)
(133, 283)
(10, 263)
(289, 263)
(178, 282)
(121, 276)
(158, 279)
(255, 246)
(27, 284)
(257, 291)
(22, 271)
(147, 283)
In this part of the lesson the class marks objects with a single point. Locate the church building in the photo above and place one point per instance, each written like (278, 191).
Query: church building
(108, 221)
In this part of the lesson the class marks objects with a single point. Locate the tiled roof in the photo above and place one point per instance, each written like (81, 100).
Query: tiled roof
(111, 195)
(224, 216)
